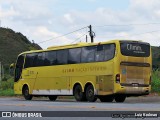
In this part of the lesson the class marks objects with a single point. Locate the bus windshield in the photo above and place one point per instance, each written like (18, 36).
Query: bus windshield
(136, 49)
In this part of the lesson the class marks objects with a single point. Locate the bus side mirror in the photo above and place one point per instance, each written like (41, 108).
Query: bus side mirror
(11, 69)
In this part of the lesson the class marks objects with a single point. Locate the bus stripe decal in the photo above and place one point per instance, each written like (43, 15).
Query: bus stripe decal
(52, 92)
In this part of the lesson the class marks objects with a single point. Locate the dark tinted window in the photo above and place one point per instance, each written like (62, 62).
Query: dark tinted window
(62, 57)
(71, 56)
(104, 52)
(50, 58)
(88, 54)
(109, 51)
(20, 61)
(99, 54)
(74, 55)
(31, 60)
(39, 60)
(137, 49)
(19, 67)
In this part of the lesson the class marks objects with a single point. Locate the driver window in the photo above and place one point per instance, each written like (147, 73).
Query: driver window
(19, 67)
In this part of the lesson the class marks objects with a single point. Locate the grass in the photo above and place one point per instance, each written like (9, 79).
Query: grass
(8, 84)
(6, 87)
(7, 92)
(155, 84)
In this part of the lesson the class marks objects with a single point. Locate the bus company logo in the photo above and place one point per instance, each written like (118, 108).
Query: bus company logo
(6, 114)
(84, 69)
(134, 47)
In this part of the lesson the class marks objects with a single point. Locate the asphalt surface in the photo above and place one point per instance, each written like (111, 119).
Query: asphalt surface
(37, 105)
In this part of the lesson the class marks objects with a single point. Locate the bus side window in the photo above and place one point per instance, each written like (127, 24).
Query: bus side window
(39, 59)
(19, 67)
(30, 60)
(50, 58)
(62, 57)
(88, 54)
(99, 54)
(109, 51)
(74, 56)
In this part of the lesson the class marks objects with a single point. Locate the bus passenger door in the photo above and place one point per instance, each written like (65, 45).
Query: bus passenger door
(30, 72)
(29, 77)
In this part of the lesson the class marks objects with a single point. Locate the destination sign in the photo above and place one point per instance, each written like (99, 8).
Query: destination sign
(137, 49)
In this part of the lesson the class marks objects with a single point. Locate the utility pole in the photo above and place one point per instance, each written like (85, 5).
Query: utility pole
(91, 33)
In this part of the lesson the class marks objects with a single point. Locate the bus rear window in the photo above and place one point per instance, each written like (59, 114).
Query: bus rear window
(137, 49)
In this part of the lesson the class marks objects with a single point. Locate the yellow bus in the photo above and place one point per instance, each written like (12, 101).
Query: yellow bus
(111, 70)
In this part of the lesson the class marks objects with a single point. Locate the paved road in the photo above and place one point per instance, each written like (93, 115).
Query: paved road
(150, 103)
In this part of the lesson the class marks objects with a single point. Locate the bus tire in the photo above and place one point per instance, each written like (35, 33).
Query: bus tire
(120, 98)
(52, 97)
(26, 94)
(106, 98)
(78, 94)
(90, 94)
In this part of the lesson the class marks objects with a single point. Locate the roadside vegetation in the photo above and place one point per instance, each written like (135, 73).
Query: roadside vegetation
(6, 87)
(155, 81)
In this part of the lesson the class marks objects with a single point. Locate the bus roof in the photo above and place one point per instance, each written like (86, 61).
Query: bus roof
(70, 45)
(81, 44)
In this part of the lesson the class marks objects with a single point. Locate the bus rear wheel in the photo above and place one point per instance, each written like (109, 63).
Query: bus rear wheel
(26, 94)
(106, 98)
(52, 97)
(90, 94)
(78, 94)
(120, 98)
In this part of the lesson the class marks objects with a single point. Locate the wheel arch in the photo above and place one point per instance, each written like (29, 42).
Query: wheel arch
(78, 83)
(87, 84)
(90, 83)
(26, 85)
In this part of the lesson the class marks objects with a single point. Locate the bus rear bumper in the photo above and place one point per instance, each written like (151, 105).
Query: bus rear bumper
(134, 90)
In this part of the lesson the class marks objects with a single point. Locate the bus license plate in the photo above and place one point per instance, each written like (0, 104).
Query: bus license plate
(135, 84)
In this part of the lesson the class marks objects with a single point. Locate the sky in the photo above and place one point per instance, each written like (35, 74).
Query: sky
(45, 20)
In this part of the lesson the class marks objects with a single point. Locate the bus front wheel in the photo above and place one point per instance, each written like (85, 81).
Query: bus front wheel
(78, 94)
(52, 97)
(90, 94)
(120, 98)
(26, 94)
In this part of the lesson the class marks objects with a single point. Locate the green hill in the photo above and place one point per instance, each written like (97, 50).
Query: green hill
(12, 44)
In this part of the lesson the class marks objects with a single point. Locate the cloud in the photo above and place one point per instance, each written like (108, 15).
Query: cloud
(42, 30)
(42, 20)
(138, 12)
(9, 13)
(69, 18)
(42, 34)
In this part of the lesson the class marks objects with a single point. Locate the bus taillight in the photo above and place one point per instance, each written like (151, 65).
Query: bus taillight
(118, 78)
